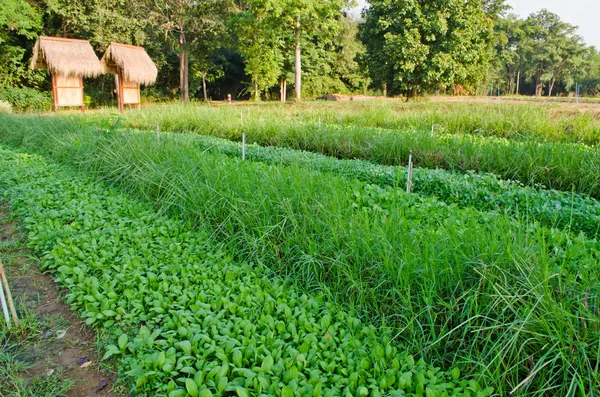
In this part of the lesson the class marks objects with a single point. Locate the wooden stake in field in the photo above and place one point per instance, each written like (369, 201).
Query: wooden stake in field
(432, 129)
(243, 145)
(409, 183)
(5, 293)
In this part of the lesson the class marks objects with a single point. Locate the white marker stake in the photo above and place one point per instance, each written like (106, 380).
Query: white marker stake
(11, 305)
(410, 172)
(4, 306)
(243, 145)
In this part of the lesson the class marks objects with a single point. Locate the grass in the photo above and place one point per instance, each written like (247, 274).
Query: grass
(575, 212)
(185, 318)
(508, 301)
(541, 123)
(12, 342)
(508, 141)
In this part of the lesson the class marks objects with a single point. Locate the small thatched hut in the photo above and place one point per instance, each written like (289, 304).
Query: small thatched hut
(69, 61)
(132, 67)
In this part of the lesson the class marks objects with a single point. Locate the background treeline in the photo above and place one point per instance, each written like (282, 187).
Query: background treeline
(278, 49)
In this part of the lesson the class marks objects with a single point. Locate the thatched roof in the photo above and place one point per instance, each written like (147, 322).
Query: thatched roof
(134, 61)
(71, 57)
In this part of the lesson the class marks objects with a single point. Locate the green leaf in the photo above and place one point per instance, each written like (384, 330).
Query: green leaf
(123, 340)
(191, 387)
(287, 391)
(267, 363)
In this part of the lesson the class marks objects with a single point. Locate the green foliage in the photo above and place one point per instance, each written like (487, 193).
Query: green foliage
(516, 142)
(541, 49)
(25, 98)
(414, 46)
(435, 273)
(196, 322)
(100, 21)
(19, 24)
(484, 192)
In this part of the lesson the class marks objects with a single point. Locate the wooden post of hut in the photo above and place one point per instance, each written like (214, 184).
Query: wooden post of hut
(69, 61)
(132, 67)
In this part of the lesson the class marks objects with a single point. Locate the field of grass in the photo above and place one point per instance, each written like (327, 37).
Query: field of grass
(516, 142)
(506, 299)
(185, 319)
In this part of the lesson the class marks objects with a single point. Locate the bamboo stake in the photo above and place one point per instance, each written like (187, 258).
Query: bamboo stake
(11, 304)
(4, 307)
(410, 173)
(243, 145)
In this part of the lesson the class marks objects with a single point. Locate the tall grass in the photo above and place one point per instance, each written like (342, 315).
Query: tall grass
(516, 304)
(541, 123)
(560, 166)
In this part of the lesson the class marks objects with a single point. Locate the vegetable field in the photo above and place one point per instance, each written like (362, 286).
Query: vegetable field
(313, 272)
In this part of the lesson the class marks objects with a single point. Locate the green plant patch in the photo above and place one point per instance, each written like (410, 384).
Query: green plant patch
(185, 318)
(463, 287)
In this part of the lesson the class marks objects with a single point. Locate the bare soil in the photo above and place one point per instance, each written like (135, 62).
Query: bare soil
(66, 345)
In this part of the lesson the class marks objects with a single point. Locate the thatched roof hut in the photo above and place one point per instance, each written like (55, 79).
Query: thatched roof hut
(68, 57)
(135, 64)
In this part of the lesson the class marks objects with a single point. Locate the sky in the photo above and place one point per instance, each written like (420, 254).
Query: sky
(582, 13)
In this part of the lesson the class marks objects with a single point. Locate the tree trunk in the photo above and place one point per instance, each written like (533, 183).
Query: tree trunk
(181, 72)
(539, 87)
(186, 74)
(298, 64)
(256, 93)
(551, 87)
(385, 90)
(204, 86)
(284, 90)
(518, 82)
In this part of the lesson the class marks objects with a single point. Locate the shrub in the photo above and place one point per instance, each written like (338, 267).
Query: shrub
(25, 98)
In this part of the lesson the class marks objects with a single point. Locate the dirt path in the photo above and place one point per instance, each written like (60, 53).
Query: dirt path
(61, 346)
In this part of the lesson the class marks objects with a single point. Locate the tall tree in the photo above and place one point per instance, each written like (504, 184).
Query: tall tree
(259, 30)
(189, 25)
(19, 25)
(552, 50)
(414, 45)
(314, 21)
(99, 21)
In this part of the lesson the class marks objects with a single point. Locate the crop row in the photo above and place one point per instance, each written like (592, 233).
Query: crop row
(501, 120)
(560, 166)
(196, 323)
(575, 212)
(462, 286)
(572, 211)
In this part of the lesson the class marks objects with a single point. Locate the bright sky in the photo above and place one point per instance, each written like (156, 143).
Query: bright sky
(582, 13)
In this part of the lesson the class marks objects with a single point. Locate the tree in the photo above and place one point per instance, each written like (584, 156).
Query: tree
(258, 27)
(99, 21)
(510, 59)
(552, 50)
(314, 21)
(189, 25)
(269, 31)
(19, 25)
(347, 53)
(590, 84)
(414, 46)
